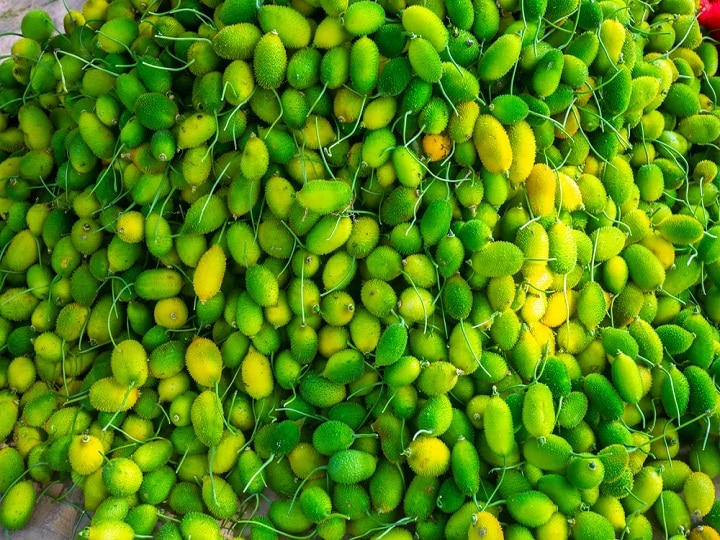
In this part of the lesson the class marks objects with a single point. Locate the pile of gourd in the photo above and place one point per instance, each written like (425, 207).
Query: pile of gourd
(395, 269)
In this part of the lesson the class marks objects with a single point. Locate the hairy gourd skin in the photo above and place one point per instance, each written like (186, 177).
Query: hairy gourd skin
(446, 269)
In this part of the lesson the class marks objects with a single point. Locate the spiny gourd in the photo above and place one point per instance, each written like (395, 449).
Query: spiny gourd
(404, 247)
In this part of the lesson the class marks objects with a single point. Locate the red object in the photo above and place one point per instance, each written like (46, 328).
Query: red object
(709, 15)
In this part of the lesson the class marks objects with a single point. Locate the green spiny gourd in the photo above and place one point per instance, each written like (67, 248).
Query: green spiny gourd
(359, 234)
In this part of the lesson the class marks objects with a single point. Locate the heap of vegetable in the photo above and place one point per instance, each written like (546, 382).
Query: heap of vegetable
(447, 269)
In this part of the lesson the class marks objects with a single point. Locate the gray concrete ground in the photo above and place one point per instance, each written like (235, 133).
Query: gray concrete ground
(55, 520)
(12, 11)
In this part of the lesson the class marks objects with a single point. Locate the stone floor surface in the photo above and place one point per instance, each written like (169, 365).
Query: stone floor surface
(12, 11)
